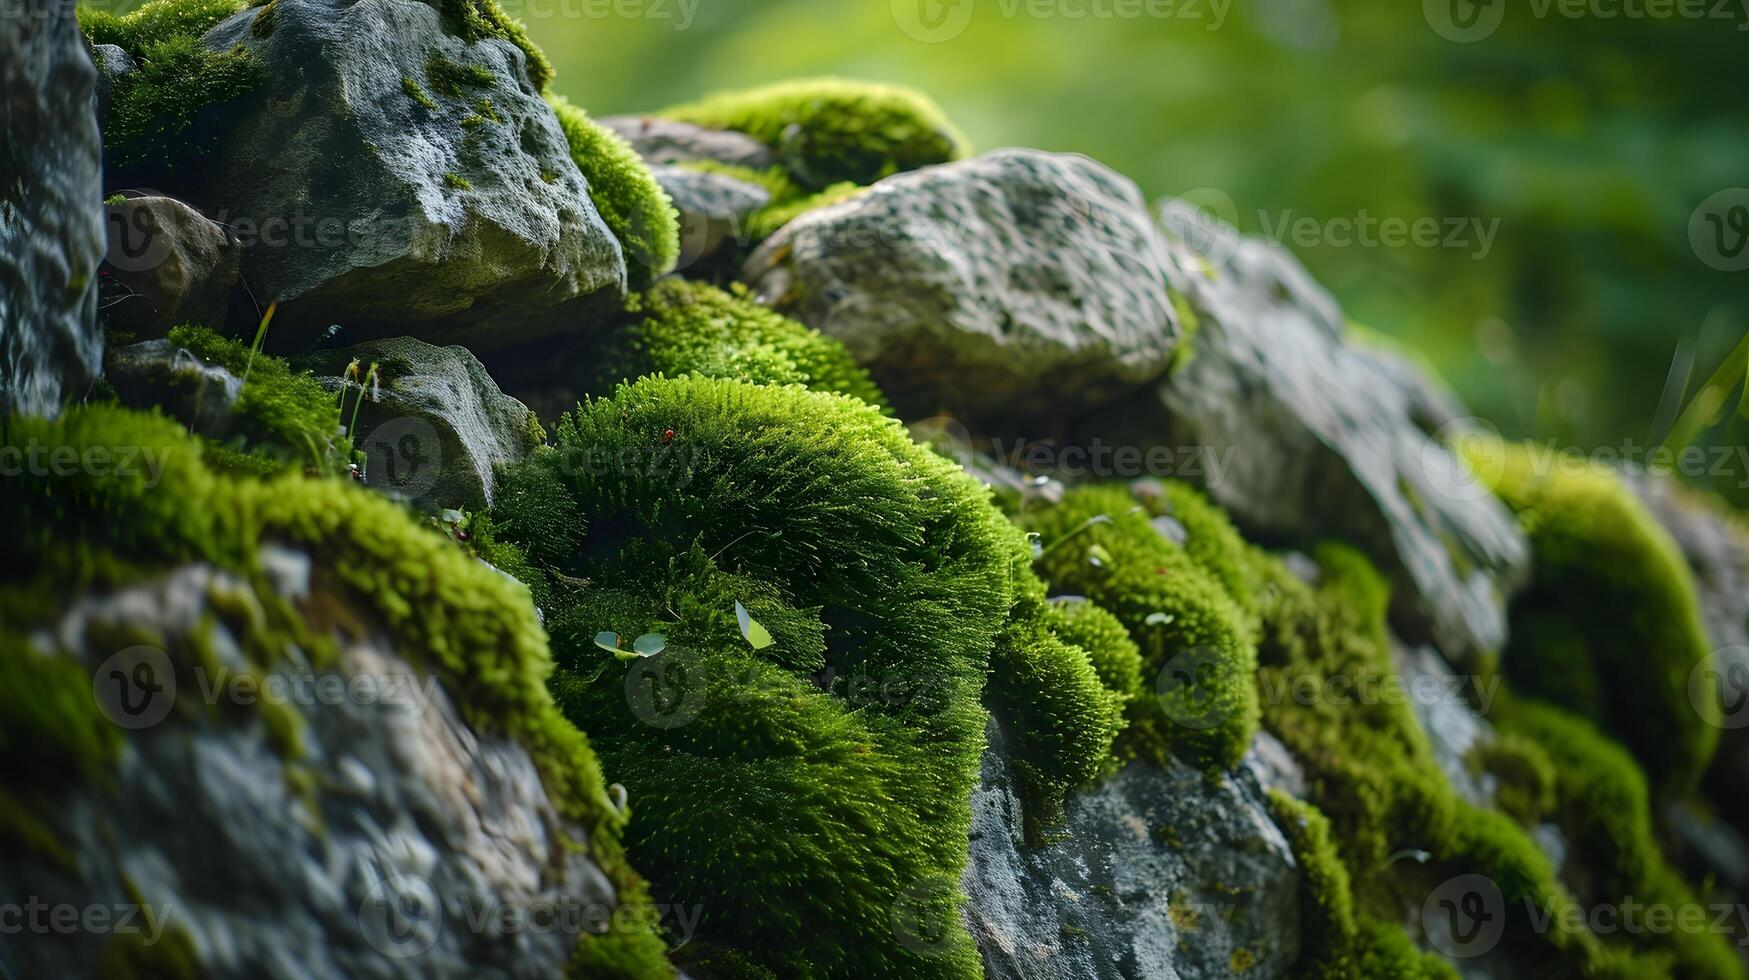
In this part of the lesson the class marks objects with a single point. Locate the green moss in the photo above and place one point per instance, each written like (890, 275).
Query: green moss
(456, 182)
(1602, 803)
(484, 112)
(417, 92)
(1610, 625)
(1198, 653)
(1525, 776)
(636, 208)
(1115, 657)
(283, 417)
(472, 628)
(819, 781)
(155, 22)
(1187, 318)
(477, 20)
(452, 78)
(698, 329)
(830, 131)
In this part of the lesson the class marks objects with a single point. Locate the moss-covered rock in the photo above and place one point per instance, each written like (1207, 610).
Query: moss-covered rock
(215, 576)
(826, 131)
(1610, 626)
(696, 329)
(630, 200)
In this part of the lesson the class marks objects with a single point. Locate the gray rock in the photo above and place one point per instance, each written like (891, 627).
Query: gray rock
(51, 217)
(359, 204)
(1323, 438)
(664, 141)
(1439, 699)
(166, 265)
(1019, 284)
(366, 853)
(713, 209)
(1155, 875)
(434, 425)
(112, 63)
(159, 374)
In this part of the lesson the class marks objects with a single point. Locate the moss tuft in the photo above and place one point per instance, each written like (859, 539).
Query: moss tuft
(636, 208)
(1525, 776)
(477, 20)
(830, 131)
(417, 92)
(283, 417)
(1610, 625)
(697, 329)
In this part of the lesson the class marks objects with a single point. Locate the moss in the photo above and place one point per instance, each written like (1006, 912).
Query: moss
(1197, 647)
(283, 417)
(697, 329)
(815, 784)
(472, 628)
(155, 22)
(1115, 657)
(1602, 803)
(456, 182)
(1525, 776)
(484, 112)
(171, 108)
(477, 20)
(417, 92)
(1185, 352)
(1610, 625)
(830, 131)
(452, 78)
(636, 208)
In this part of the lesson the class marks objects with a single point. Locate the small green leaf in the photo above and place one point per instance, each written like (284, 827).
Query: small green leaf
(756, 635)
(608, 640)
(649, 644)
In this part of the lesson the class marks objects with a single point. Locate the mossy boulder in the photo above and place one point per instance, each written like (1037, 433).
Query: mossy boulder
(449, 208)
(166, 264)
(291, 723)
(51, 226)
(1017, 285)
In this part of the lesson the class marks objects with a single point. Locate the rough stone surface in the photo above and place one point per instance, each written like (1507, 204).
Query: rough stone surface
(1019, 284)
(663, 141)
(363, 857)
(434, 425)
(166, 265)
(51, 221)
(112, 63)
(1322, 438)
(171, 378)
(1154, 875)
(713, 209)
(361, 206)
(1440, 701)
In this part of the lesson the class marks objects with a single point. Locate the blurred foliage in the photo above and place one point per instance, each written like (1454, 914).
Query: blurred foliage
(1589, 318)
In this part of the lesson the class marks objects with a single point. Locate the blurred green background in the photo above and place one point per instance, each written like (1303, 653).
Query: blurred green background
(1585, 143)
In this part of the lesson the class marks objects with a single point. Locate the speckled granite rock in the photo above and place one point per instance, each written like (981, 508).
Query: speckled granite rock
(1153, 875)
(1018, 284)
